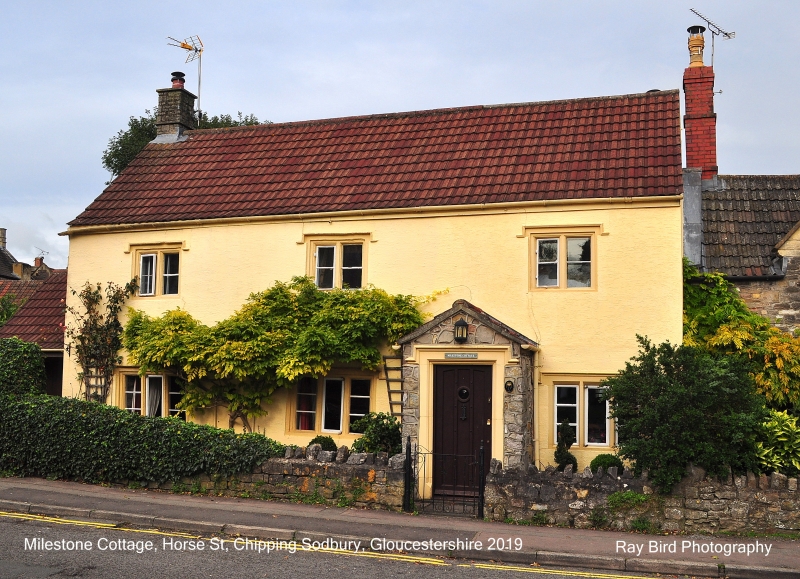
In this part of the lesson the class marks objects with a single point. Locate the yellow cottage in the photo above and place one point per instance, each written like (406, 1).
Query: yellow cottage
(555, 227)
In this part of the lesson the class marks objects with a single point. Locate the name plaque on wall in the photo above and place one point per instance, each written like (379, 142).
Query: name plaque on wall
(461, 355)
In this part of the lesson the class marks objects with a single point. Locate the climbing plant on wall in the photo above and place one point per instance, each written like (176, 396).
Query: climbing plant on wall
(286, 332)
(718, 320)
(94, 335)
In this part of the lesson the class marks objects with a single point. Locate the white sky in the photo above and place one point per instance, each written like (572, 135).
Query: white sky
(71, 73)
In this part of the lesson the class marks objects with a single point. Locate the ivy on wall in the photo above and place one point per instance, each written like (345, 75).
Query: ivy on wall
(21, 367)
(95, 335)
(716, 319)
(279, 335)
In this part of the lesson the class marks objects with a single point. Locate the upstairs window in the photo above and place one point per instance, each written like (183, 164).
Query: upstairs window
(158, 272)
(564, 261)
(338, 264)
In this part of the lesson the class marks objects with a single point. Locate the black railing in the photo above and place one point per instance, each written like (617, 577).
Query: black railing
(453, 483)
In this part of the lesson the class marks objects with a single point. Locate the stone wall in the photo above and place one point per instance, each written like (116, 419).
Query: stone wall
(698, 504)
(778, 300)
(312, 476)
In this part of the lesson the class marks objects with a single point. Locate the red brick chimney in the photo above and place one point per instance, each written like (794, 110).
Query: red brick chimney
(700, 120)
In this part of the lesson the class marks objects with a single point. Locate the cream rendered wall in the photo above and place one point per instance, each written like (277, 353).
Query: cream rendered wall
(482, 254)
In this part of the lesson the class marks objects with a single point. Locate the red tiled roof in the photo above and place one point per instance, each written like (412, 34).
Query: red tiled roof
(41, 318)
(624, 146)
(18, 289)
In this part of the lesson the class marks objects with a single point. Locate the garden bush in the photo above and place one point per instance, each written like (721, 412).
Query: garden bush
(779, 444)
(562, 455)
(326, 442)
(606, 461)
(680, 405)
(75, 439)
(381, 433)
(21, 367)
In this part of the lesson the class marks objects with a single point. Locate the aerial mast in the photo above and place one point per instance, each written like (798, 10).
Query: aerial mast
(715, 31)
(194, 47)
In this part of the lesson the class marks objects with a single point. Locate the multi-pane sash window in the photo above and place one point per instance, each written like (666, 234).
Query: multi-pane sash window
(566, 407)
(147, 274)
(170, 282)
(547, 263)
(133, 394)
(359, 399)
(338, 401)
(579, 262)
(306, 404)
(339, 265)
(175, 395)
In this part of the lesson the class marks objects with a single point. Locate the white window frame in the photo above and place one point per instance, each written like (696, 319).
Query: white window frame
(320, 401)
(350, 413)
(165, 275)
(172, 388)
(562, 235)
(137, 380)
(556, 406)
(557, 261)
(317, 267)
(586, 442)
(151, 289)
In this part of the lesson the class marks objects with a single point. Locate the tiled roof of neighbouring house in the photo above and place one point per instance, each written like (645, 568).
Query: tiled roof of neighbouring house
(7, 262)
(744, 219)
(19, 290)
(622, 146)
(41, 318)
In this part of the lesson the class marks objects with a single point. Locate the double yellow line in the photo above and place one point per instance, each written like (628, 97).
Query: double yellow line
(369, 554)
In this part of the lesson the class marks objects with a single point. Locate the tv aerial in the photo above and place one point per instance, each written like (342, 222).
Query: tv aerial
(715, 31)
(194, 48)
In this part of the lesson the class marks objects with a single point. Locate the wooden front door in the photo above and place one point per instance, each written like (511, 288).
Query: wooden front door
(462, 412)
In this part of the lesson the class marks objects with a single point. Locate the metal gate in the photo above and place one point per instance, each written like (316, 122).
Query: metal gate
(444, 483)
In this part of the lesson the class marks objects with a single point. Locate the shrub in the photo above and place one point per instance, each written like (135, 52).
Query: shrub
(21, 367)
(566, 438)
(681, 405)
(381, 433)
(76, 439)
(606, 461)
(625, 500)
(326, 442)
(779, 444)
(598, 518)
(644, 525)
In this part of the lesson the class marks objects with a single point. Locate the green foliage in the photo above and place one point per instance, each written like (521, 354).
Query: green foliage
(624, 500)
(779, 444)
(381, 433)
(680, 405)
(21, 367)
(74, 439)
(566, 438)
(280, 335)
(8, 307)
(539, 518)
(95, 335)
(326, 442)
(606, 461)
(127, 143)
(642, 524)
(598, 517)
(718, 320)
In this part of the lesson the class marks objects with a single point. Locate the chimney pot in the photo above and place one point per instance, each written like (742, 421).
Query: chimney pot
(178, 80)
(175, 109)
(696, 44)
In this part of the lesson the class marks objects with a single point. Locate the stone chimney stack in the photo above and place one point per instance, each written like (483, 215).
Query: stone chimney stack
(175, 110)
(2, 238)
(700, 120)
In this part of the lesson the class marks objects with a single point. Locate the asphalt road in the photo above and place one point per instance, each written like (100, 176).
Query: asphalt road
(93, 551)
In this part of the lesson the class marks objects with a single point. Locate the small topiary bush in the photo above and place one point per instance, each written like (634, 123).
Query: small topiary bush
(21, 367)
(566, 438)
(381, 433)
(326, 442)
(606, 461)
(74, 439)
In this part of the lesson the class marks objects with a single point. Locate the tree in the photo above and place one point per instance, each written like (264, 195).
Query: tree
(279, 336)
(8, 307)
(679, 405)
(127, 143)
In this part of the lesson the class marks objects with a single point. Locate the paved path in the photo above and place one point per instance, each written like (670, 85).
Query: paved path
(498, 541)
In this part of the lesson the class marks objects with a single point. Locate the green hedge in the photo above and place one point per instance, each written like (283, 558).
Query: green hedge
(21, 367)
(74, 439)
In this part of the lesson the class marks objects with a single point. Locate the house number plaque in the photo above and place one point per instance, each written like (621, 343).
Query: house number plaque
(460, 355)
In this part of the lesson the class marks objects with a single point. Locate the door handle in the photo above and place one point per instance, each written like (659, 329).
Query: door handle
(463, 412)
